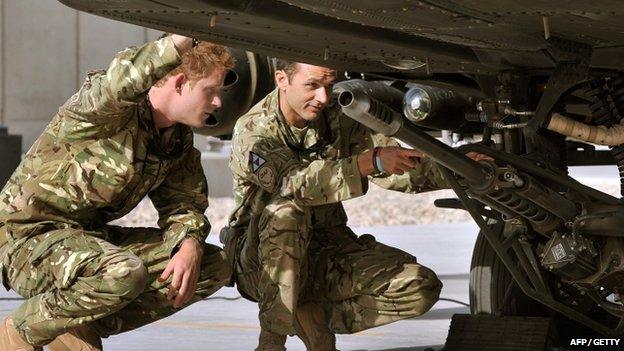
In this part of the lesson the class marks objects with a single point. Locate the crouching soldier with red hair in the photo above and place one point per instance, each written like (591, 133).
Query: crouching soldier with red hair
(123, 136)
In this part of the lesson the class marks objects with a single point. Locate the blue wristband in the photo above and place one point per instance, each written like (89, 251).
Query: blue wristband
(378, 163)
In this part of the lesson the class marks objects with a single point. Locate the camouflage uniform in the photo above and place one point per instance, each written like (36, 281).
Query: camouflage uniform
(289, 233)
(99, 156)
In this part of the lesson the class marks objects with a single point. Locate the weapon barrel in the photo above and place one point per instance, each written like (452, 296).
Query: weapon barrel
(379, 117)
(443, 154)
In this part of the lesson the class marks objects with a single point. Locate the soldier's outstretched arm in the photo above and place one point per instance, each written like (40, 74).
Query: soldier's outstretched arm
(278, 170)
(419, 174)
(106, 94)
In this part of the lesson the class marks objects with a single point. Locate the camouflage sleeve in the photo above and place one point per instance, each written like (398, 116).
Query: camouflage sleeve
(107, 94)
(278, 170)
(426, 176)
(181, 200)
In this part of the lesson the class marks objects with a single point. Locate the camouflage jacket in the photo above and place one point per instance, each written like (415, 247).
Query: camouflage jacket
(315, 166)
(101, 154)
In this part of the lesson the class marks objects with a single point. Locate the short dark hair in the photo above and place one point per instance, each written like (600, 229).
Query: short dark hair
(289, 67)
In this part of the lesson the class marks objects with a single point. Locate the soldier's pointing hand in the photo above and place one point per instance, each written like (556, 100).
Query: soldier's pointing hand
(389, 159)
(398, 160)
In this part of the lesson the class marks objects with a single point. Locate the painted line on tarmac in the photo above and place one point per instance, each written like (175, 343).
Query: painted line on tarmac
(233, 326)
(196, 325)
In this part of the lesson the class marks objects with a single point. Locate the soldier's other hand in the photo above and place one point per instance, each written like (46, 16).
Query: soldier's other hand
(185, 266)
(398, 160)
(478, 157)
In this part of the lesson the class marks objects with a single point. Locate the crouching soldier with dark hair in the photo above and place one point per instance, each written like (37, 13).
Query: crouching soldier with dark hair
(295, 158)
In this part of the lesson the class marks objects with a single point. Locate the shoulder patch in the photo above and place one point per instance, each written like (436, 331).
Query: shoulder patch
(255, 162)
(266, 177)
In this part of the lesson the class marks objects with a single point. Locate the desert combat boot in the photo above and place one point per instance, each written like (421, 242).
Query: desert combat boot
(312, 328)
(11, 340)
(78, 339)
(269, 341)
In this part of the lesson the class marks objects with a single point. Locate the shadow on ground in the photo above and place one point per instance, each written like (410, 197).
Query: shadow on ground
(415, 348)
(443, 313)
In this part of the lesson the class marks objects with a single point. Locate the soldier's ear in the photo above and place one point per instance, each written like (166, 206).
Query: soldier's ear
(178, 82)
(281, 79)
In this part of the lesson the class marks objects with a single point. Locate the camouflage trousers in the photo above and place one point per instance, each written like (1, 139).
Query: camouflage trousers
(360, 282)
(71, 278)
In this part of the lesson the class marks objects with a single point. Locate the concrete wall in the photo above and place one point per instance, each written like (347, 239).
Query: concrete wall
(46, 49)
(2, 60)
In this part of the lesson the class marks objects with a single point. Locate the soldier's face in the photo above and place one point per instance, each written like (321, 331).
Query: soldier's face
(197, 101)
(308, 91)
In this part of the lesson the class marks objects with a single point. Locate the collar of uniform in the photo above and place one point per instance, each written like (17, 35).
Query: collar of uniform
(166, 142)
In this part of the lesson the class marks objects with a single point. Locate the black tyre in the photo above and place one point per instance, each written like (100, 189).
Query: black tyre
(492, 290)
